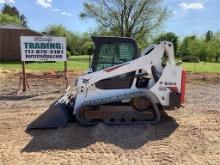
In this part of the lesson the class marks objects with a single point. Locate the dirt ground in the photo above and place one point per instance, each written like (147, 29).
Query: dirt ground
(189, 135)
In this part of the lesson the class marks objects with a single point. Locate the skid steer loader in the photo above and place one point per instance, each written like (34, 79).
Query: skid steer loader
(122, 86)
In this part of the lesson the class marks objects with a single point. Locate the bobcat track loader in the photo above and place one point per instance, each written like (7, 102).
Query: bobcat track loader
(121, 86)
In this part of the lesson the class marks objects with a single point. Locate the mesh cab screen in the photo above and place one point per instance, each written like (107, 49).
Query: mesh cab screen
(110, 54)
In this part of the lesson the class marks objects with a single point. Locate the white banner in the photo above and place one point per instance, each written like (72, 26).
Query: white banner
(43, 48)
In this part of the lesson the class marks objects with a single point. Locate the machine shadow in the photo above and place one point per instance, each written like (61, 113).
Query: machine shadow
(13, 95)
(16, 98)
(76, 136)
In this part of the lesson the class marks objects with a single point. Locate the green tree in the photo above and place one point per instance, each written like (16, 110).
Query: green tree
(23, 20)
(5, 18)
(217, 36)
(168, 37)
(13, 11)
(56, 30)
(209, 36)
(133, 18)
(102, 31)
(61, 31)
(189, 48)
(10, 10)
(211, 47)
(213, 50)
(76, 44)
(85, 47)
(204, 48)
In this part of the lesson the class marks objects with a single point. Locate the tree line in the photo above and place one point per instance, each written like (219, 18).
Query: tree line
(140, 19)
(201, 48)
(194, 48)
(77, 44)
(10, 14)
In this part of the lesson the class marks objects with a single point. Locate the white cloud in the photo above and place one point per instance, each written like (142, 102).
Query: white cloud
(66, 13)
(56, 10)
(60, 11)
(174, 12)
(44, 3)
(191, 5)
(7, 1)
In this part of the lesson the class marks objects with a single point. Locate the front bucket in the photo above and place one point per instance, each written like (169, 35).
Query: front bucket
(56, 116)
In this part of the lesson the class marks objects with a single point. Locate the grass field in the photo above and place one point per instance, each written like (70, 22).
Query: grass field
(202, 67)
(75, 62)
(81, 63)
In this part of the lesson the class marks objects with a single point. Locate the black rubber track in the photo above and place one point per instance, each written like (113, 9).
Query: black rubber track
(147, 94)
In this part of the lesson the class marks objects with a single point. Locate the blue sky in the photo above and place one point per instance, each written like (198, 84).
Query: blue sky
(188, 16)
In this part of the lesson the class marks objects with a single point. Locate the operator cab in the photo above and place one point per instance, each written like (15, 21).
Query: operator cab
(111, 51)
